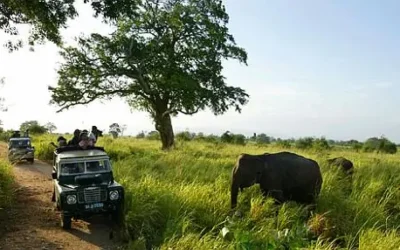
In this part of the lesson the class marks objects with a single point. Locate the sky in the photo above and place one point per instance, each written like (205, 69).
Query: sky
(315, 68)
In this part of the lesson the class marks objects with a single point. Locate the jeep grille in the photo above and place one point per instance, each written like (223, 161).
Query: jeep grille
(92, 194)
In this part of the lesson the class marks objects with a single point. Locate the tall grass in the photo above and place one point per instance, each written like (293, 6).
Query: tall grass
(6, 181)
(180, 200)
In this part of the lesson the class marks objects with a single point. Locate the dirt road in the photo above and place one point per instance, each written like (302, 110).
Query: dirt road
(33, 223)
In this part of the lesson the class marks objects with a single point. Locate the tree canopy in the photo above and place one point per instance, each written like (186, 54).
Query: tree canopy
(165, 59)
(46, 18)
(50, 127)
(33, 126)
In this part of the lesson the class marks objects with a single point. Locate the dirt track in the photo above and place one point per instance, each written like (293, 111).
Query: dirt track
(33, 223)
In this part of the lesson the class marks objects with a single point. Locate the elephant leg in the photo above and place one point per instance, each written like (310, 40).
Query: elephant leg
(278, 196)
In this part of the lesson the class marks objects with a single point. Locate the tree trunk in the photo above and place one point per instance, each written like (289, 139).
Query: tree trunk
(164, 127)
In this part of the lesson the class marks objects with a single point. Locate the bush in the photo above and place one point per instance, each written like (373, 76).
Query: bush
(304, 143)
(283, 143)
(185, 136)
(153, 135)
(321, 144)
(230, 138)
(263, 139)
(379, 145)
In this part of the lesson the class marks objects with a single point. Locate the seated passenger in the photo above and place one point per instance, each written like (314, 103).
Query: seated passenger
(16, 134)
(93, 166)
(72, 168)
(62, 142)
(84, 141)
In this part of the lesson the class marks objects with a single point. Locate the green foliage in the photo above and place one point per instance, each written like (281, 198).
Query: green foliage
(141, 135)
(263, 139)
(153, 135)
(286, 144)
(33, 126)
(238, 139)
(382, 145)
(321, 144)
(304, 143)
(312, 143)
(185, 136)
(114, 129)
(47, 17)
(164, 59)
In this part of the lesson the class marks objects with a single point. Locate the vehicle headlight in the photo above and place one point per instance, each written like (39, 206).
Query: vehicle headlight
(114, 195)
(71, 199)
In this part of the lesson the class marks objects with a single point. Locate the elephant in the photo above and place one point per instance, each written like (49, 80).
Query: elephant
(284, 176)
(345, 164)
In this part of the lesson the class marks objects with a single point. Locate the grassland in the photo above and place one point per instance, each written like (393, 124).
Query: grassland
(6, 180)
(180, 200)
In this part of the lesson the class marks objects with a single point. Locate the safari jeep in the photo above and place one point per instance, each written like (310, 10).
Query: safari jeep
(19, 149)
(84, 184)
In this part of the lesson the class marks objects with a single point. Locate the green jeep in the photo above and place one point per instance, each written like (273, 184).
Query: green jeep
(84, 184)
(19, 149)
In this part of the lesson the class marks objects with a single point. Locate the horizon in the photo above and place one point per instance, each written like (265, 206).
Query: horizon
(309, 73)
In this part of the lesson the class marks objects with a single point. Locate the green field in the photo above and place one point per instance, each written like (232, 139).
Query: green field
(6, 181)
(180, 199)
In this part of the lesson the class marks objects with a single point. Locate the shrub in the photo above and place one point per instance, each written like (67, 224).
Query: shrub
(283, 143)
(263, 139)
(321, 144)
(304, 143)
(379, 145)
(185, 136)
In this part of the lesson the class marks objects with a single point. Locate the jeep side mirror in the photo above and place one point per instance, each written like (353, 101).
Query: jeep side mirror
(54, 175)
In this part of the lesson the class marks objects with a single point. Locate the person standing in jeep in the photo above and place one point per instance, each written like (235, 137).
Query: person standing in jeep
(75, 140)
(94, 134)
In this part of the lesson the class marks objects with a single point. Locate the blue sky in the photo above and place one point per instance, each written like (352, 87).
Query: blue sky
(315, 68)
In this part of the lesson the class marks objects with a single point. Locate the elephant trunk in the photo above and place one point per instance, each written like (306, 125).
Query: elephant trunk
(234, 192)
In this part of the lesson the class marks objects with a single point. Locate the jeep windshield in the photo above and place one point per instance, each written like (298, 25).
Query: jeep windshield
(21, 143)
(85, 167)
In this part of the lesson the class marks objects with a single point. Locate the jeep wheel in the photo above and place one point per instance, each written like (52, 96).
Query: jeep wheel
(31, 160)
(117, 215)
(65, 221)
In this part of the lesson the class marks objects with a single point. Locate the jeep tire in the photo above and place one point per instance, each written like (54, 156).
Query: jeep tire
(65, 221)
(31, 160)
(117, 215)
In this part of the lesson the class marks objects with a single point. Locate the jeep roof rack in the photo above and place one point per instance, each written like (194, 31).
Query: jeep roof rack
(19, 138)
(75, 148)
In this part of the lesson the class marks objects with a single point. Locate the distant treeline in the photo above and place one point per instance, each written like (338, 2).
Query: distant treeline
(373, 144)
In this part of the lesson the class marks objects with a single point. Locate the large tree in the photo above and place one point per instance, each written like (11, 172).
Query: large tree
(47, 17)
(166, 59)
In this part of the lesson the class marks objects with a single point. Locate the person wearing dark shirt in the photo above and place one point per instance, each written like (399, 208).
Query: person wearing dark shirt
(75, 140)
